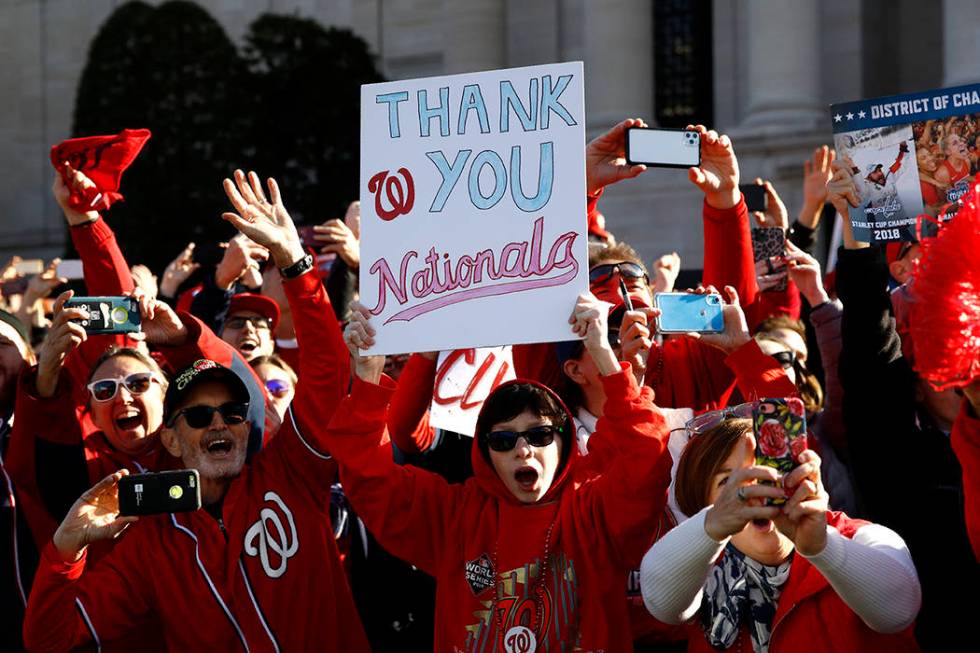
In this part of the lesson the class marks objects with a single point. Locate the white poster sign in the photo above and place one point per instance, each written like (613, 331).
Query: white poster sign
(473, 208)
(464, 378)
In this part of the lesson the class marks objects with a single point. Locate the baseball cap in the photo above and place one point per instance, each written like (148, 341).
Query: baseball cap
(201, 371)
(264, 306)
(897, 249)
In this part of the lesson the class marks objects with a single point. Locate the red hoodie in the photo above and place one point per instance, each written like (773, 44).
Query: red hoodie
(476, 536)
(265, 578)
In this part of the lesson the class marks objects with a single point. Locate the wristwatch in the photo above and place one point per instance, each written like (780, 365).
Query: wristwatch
(301, 266)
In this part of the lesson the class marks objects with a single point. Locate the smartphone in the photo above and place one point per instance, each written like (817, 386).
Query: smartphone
(682, 312)
(29, 266)
(306, 237)
(767, 243)
(756, 198)
(71, 269)
(108, 314)
(663, 148)
(160, 493)
(13, 287)
(780, 435)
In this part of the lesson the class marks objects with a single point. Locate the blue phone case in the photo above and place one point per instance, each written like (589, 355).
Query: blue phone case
(686, 312)
(108, 314)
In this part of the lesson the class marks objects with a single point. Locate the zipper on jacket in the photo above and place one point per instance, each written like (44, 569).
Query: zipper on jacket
(772, 633)
(224, 531)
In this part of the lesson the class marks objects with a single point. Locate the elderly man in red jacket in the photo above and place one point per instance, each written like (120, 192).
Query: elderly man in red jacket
(231, 575)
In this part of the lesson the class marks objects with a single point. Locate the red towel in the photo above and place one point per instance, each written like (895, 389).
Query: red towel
(103, 160)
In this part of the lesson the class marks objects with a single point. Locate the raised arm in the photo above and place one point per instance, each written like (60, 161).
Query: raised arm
(408, 415)
(71, 605)
(727, 241)
(106, 270)
(393, 500)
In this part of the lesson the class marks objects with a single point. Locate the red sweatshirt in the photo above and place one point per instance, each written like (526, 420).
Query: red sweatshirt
(476, 536)
(265, 578)
(966, 444)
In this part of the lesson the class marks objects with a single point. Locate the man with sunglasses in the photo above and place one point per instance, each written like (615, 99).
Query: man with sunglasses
(250, 325)
(257, 567)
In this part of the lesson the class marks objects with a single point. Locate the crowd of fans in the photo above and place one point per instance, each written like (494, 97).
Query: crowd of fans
(610, 499)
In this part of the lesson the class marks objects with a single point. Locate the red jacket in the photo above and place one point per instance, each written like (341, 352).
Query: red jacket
(266, 578)
(966, 444)
(812, 617)
(474, 536)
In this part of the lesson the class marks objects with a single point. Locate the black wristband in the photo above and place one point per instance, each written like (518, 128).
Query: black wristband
(301, 266)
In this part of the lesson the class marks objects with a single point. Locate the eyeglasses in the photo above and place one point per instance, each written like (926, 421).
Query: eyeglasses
(278, 387)
(705, 421)
(198, 417)
(137, 383)
(539, 436)
(602, 273)
(785, 358)
(257, 322)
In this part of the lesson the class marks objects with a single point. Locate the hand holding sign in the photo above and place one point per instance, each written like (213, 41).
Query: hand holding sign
(265, 221)
(590, 320)
(359, 335)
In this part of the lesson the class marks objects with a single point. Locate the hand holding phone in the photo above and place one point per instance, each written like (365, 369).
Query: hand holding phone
(108, 314)
(663, 148)
(71, 269)
(780, 435)
(682, 312)
(160, 493)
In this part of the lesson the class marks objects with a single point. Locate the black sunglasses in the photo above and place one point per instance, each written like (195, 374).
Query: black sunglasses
(539, 436)
(198, 417)
(626, 269)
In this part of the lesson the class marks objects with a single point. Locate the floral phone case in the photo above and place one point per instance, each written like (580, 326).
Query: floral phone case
(780, 435)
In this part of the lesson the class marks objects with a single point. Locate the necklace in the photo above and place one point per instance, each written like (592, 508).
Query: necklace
(520, 639)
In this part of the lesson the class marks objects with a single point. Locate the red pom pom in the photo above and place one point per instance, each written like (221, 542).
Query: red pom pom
(945, 317)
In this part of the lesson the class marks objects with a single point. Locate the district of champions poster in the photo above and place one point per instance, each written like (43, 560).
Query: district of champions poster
(909, 154)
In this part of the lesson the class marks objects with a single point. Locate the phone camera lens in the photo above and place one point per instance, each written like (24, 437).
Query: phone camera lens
(713, 299)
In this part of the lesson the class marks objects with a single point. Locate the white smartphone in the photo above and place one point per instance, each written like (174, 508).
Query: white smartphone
(663, 148)
(71, 269)
(29, 266)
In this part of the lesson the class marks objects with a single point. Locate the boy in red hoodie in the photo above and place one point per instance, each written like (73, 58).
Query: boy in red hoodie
(526, 556)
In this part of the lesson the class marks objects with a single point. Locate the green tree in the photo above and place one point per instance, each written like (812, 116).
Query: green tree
(173, 70)
(305, 106)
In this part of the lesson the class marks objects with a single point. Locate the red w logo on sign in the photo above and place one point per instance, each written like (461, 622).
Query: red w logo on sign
(400, 194)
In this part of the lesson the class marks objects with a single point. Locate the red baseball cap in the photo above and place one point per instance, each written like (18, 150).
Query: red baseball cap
(255, 303)
(897, 249)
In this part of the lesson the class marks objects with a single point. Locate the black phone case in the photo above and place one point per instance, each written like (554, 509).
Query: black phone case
(755, 197)
(160, 493)
(659, 165)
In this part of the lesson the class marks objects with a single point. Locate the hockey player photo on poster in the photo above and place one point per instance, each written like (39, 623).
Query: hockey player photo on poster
(910, 155)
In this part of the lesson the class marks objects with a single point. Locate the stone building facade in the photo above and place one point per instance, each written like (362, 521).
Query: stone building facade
(774, 67)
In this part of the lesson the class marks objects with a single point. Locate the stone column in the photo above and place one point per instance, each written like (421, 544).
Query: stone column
(618, 61)
(783, 42)
(475, 35)
(961, 42)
